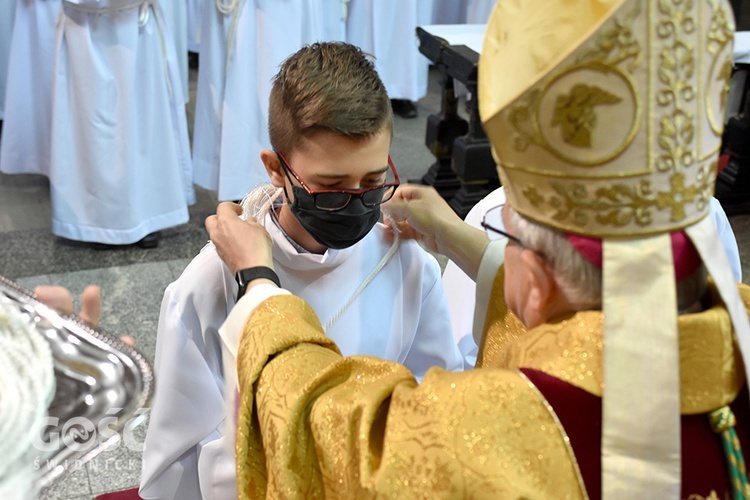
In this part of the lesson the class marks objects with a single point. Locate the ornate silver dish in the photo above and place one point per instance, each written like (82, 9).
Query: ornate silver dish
(103, 387)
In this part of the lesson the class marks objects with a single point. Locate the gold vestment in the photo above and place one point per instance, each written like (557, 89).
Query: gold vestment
(360, 427)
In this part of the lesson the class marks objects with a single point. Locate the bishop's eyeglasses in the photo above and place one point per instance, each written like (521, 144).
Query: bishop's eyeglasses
(492, 222)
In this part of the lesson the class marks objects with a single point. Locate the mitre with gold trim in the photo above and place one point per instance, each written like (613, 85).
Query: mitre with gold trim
(605, 118)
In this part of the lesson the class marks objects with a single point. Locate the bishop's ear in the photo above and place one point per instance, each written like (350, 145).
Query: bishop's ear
(542, 288)
(273, 167)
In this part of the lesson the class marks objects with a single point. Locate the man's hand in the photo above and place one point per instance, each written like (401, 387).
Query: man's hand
(59, 299)
(239, 243)
(421, 214)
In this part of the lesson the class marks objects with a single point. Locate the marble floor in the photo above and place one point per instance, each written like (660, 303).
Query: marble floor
(133, 279)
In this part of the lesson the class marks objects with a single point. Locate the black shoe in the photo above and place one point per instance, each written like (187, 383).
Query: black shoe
(103, 246)
(193, 60)
(151, 240)
(404, 108)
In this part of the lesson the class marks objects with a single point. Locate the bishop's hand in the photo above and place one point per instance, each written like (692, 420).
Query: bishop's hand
(241, 244)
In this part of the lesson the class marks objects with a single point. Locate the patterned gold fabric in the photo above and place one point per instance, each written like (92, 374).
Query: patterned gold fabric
(313, 424)
(711, 369)
(501, 326)
(317, 424)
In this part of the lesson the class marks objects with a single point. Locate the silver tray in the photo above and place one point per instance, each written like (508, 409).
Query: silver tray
(103, 388)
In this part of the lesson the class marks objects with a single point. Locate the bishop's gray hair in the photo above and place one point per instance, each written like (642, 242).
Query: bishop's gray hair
(580, 280)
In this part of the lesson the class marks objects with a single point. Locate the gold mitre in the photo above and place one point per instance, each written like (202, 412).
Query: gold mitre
(605, 117)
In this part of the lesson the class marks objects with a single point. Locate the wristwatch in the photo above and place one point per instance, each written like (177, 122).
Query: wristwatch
(245, 276)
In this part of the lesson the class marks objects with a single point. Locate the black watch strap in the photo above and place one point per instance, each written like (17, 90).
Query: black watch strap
(245, 276)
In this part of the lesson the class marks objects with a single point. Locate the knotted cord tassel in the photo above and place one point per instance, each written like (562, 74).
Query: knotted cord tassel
(723, 422)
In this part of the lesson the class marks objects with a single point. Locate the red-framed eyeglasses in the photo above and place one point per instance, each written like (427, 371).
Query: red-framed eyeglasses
(338, 199)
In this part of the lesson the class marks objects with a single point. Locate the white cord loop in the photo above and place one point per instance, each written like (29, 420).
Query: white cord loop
(370, 277)
(229, 8)
(145, 9)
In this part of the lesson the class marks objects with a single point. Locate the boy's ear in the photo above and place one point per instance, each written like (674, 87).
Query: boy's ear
(273, 167)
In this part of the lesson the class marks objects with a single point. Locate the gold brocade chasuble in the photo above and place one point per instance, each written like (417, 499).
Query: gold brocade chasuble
(359, 427)
(501, 326)
(571, 350)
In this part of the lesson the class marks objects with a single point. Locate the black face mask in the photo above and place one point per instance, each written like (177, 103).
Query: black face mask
(340, 229)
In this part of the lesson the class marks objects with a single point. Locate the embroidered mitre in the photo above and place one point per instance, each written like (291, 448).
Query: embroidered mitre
(605, 118)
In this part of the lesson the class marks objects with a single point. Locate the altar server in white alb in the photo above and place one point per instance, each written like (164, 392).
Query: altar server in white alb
(387, 29)
(461, 11)
(331, 127)
(242, 46)
(25, 148)
(176, 15)
(7, 13)
(120, 161)
(194, 9)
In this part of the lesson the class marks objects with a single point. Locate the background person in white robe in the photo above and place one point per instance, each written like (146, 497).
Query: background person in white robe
(340, 140)
(194, 9)
(462, 11)
(120, 164)
(461, 291)
(387, 30)
(242, 45)
(176, 15)
(478, 11)
(25, 148)
(7, 13)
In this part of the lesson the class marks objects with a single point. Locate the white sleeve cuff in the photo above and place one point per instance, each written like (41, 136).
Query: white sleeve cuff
(232, 329)
(230, 333)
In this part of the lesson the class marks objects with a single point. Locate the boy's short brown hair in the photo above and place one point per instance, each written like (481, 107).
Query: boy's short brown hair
(331, 86)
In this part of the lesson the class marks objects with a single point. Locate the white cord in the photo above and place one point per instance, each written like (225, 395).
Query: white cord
(99, 7)
(143, 14)
(27, 380)
(229, 9)
(370, 277)
(259, 201)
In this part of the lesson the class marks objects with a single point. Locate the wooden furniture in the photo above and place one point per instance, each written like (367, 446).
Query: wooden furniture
(464, 171)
